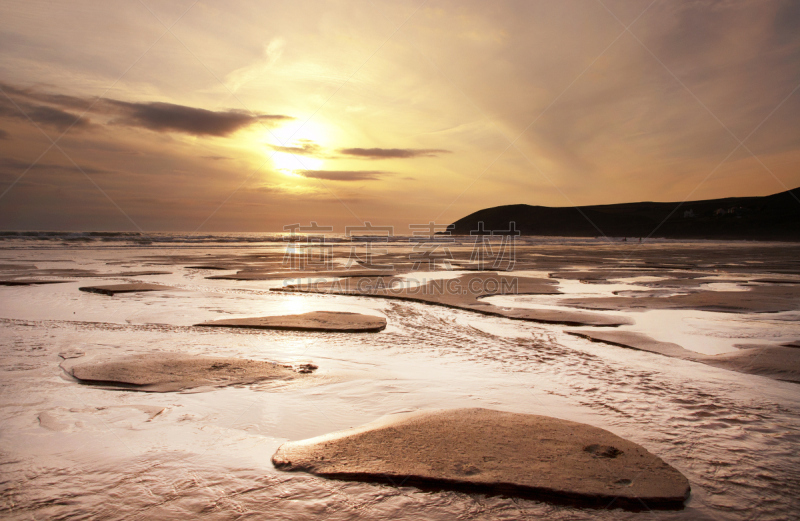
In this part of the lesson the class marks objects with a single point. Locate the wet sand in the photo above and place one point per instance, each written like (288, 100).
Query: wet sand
(463, 292)
(730, 431)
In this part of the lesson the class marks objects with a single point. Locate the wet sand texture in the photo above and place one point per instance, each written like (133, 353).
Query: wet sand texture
(113, 289)
(334, 321)
(494, 452)
(160, 372)
(465, 292)
(777, 362)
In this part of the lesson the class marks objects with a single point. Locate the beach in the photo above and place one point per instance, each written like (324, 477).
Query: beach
(682, 347)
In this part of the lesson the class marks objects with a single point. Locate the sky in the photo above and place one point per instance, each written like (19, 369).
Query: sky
(204, 115)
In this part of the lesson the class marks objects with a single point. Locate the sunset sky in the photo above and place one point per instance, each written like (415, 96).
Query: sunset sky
(248, 116)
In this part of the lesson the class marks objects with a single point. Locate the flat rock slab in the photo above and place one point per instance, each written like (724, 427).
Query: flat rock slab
(161, 372)
(334, 321)
(777, 362)
(113, 289)
(30, 282)
(494, 452)
(464, 292)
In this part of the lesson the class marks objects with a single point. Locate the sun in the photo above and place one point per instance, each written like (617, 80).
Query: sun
(297, 146)
(289, 163)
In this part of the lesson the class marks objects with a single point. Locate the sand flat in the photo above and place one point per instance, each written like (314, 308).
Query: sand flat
(757, 299)
(30, 282)
(296, 274)
(494, 452)
(333, 321)
(169, 372)
(464, 292)
(113, 289)
(777, 362)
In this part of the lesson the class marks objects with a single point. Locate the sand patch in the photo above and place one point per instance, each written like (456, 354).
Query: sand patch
(777, 362)
(295, 274)
(29, 282)
(333, 321)
(464, 292)
(162, 372)
(759, 299)
(638, 341)
(493, 452)
(113, 289)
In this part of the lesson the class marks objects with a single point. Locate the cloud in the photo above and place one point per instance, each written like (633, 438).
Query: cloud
(48, 109)
(306, 148)
(8, 165)
(168, 117)
(271, 54)
(342, 175)
(5, 136)
(42, 115)
(393, 153)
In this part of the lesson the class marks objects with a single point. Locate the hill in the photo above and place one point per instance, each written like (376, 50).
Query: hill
(773, 217)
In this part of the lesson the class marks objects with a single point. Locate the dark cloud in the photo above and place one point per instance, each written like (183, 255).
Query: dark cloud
(787, 20)
(41, 115)
(9, 165)
(392, 153)
(62, 100)
(168, 117)
(4, 135)
(49, 109)
(306, 148)
(217, 158)
(342, 175)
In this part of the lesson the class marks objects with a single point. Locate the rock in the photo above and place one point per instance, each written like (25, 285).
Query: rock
(113, 289)
(494, 452)
(335, 321)
(162, 372)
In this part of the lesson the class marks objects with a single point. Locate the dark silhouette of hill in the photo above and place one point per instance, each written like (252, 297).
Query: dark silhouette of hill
(773, 217)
